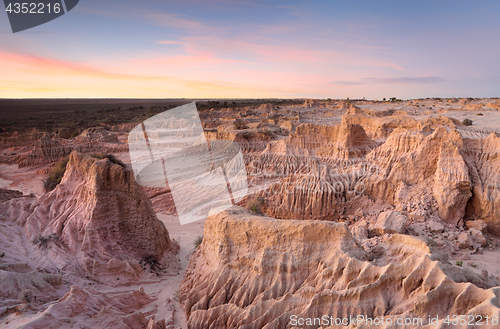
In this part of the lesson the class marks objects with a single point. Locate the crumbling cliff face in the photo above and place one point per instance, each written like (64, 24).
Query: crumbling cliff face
(46, 150)
(99, 214)
(75, 252)
(49, 149)
(318, 171)
(421, 161)
(481, 156)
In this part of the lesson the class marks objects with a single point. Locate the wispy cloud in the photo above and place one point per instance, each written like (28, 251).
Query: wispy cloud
(56, 78)
(169, 42)
(281, 53)
(43, 65)
(172, 20)
(395, 80)
(157, 18)
(348, 82)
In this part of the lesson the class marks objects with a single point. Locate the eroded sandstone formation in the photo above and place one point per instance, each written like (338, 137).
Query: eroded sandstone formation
(318, 170)
(258, 272)
(46, 150)
(483, 164)
(50, 147)
(99, 214)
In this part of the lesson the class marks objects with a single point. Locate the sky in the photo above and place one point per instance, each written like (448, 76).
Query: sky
(257, 49)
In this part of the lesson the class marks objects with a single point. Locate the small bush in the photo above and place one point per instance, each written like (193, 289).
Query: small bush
(42, 241)
(152, 262)
(480, 114)
(459, 263)
(198, 241)
(255, 204)
(431, 243)
(110, 157)
(467, 122)
(55, 174)
(176, 296)
(25, 296)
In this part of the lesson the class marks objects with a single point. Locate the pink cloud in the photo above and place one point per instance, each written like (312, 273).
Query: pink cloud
(171, 20)
(53, 67)
(282, 53)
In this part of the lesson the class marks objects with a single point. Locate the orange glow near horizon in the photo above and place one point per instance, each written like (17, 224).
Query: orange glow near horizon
(27, 76)
(255, 49)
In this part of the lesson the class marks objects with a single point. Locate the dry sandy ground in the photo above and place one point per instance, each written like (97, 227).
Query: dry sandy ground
(166, 289)
(25, 179)
(185, 235)
(488, 260)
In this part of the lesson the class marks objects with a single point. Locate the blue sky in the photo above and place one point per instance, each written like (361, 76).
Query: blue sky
(228, 48)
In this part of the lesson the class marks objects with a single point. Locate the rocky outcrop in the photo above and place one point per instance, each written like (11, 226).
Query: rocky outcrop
(344, 141)
(99, 214)
(483, 163)
(91, 308)
(494, 106)
(50, 149)
(266, 107)
(351, 142)
(310, 103)
(380, 124)
(20, 138)
(390, 222)
(318, 169)
(6, 194)
(297, 187)
(258, 272)
(420, 161)
(96, 134)
(46, 150)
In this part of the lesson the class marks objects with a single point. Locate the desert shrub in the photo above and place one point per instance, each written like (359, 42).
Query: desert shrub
(151, 262)
(459, 263)
(431, 243)
(25, 296)
(480, 114)
(198, 241)
(55, 174)
(176, 296)
(467, 122)
(255, 204)
(41, 241)
(110, 157)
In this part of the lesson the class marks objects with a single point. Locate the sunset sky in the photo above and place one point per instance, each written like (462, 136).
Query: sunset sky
(257, 49)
